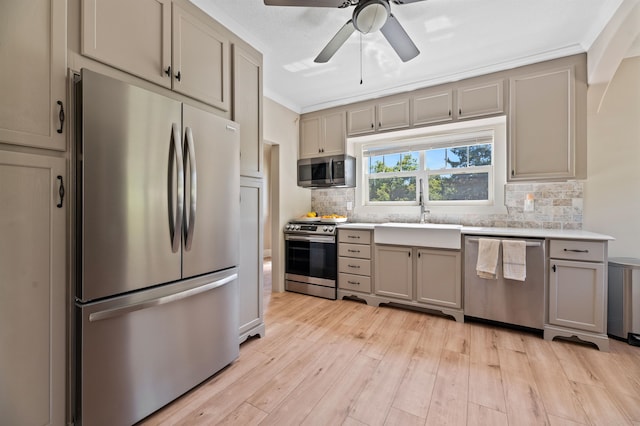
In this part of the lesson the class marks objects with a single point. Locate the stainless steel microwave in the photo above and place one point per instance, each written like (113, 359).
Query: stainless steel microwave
(324, 172)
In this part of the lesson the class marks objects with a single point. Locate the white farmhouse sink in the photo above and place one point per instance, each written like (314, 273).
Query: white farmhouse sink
(418, 235)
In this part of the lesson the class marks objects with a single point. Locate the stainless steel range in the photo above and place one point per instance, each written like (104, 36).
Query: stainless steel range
(311, 261)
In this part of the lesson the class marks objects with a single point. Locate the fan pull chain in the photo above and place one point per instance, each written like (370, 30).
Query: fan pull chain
(360, 58)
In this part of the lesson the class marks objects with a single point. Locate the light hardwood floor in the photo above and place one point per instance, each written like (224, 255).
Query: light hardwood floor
(340, 362)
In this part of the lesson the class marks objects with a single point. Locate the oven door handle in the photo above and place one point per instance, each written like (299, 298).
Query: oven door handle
(314, 239)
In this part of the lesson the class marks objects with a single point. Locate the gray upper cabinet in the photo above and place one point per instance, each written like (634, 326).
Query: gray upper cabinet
(200, 58)
(178, 47)
(361, 120)
(247, 107)
(480, 99)
(33, 52)
(393, 114)
(432, 106)
(547, 124)
(390, 114)
(322, 134)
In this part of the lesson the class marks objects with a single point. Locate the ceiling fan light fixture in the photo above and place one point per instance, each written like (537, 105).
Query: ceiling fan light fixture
(371, 15)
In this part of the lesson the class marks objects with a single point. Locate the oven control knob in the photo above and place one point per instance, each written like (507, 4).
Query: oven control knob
(324, 229)
(331, 229)
(297, 227)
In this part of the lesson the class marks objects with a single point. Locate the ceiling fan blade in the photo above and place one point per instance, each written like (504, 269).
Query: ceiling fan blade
(399, 39)
(406, 1)
(334, 44)
(306, 3)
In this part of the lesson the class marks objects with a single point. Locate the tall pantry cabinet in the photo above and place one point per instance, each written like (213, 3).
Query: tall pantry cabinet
(247, 111)
(33, 207)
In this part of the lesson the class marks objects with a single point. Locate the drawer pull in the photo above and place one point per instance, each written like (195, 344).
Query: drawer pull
(354, 266)
(353, 282)
(353, 236)
(353, 251)
(577, 251)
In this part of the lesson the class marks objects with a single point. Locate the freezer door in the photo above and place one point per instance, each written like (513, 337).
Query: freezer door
(130, 159)
(139, 352)
(212, 192)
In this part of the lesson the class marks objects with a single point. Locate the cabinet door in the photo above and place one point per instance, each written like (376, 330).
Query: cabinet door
(541, 123)
(361, 120)
(247, 108)
(333, 133)
(438, 278)
(250, 276)
(310, 135)
(393, 114)
(112, 33)
(32, 289)
(576, 295)
(434, 107)
(200, 59)
(33, 50)
(394, 275)
(480, 99)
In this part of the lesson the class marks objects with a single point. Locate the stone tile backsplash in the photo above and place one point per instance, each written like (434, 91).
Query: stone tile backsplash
(557, 205)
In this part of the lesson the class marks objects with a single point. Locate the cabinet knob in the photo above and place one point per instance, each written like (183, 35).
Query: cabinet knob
(168, 71)
(449, 113)
(178, 76)
(460, 111)
(554, 268)
(372, 125)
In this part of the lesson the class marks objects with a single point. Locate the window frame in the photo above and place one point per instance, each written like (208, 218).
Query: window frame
(497, 179)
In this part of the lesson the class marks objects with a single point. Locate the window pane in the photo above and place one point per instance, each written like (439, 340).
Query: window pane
(457, 157)
(392, 189)
(401, 162)
(435, 159)
(465, 186)
(480, 155)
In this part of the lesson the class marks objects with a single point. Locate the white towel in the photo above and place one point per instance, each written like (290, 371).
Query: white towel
(487, 258)
(514, 259)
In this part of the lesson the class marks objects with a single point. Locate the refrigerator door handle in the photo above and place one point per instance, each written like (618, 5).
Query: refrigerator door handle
(190, 223)
(175, 225)
(126, 309)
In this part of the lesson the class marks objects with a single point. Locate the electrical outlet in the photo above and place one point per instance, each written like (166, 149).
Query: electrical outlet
(349, 205)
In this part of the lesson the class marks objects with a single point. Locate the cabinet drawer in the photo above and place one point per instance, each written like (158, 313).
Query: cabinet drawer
(354, 266)
(354, 282)
(362, 251)
(354, 236)
(590, 251)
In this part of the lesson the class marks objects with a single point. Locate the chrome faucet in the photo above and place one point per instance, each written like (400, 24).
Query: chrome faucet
(423, 211)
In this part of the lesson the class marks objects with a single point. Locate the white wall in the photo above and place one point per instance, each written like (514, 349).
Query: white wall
(612, 190)
(281, 130)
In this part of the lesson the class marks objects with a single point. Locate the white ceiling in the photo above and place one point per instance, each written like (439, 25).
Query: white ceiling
(456, 38)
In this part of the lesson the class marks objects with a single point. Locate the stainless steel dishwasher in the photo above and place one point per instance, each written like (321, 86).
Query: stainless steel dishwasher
(508, 301)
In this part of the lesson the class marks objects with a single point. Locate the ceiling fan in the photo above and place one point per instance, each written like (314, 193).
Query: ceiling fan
(368, 16)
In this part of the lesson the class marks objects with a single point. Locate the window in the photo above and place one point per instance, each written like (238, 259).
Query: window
(455, 168)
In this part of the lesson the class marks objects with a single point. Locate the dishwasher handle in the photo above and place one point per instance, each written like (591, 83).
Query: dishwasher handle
(529, 243)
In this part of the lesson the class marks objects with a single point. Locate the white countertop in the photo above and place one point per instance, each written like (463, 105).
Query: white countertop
(571, 234)
(506, 232)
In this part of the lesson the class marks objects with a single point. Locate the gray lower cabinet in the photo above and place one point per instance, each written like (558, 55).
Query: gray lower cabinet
(33, 289)
(394, 272)
(250, 275)
(354, 260)
(577, 291)
(420, 277)
(438, 278)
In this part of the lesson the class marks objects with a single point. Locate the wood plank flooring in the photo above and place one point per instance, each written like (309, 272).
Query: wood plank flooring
(340, 362)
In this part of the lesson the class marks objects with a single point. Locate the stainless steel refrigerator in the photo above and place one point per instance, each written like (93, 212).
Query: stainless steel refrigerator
(157, 207)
